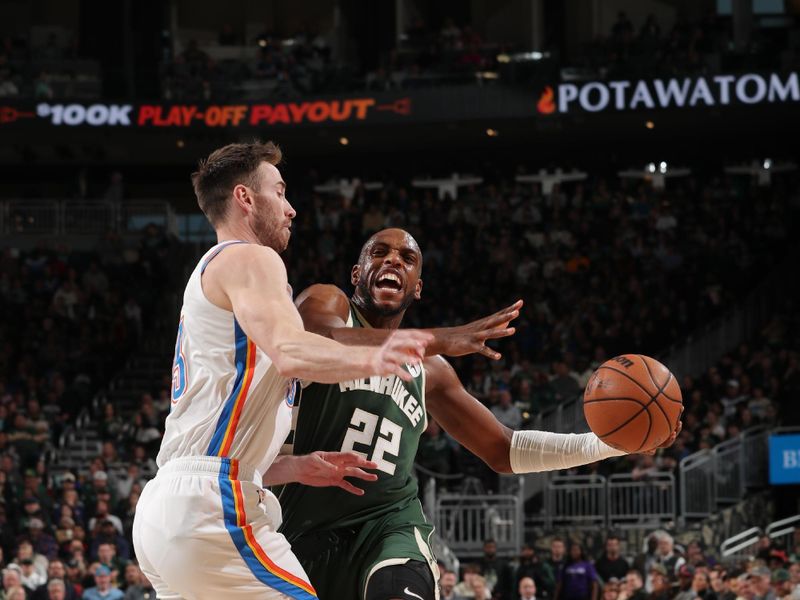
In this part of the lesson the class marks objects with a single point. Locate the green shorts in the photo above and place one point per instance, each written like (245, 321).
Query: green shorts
(339, 562)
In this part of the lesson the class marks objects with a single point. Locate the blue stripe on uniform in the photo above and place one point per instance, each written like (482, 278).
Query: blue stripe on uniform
(240, 341)
(219, 249)
(237, 535)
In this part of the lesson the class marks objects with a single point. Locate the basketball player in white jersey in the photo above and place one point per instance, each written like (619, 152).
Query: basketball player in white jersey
(204, 527)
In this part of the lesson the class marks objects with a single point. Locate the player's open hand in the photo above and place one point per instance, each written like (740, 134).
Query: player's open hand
(402, 347)
(472, 337)
(329, 469)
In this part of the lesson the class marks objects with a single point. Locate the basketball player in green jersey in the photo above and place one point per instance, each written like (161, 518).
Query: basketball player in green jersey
(376, 546)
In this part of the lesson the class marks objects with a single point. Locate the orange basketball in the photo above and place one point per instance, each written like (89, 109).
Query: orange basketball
(632, 402)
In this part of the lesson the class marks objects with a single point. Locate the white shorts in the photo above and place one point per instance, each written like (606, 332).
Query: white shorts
(204, 529)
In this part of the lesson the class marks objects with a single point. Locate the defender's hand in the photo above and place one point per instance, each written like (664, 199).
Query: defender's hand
(402, 347)
(471, 338)
(329, 469)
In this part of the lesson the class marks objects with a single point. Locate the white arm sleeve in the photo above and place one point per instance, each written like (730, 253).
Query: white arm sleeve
(536, 451)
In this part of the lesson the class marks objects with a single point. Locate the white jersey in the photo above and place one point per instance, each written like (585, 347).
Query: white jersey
(227, 397)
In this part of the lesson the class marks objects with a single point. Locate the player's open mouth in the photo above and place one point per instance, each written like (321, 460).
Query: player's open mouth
(389, 282)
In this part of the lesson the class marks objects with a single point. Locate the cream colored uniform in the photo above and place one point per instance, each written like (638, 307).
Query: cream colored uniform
(204, 528)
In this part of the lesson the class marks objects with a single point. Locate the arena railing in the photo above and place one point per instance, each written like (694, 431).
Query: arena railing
(696, 485)
(648, 499)
(728, 471)
(711, 479)
(784, 531)
(735, 547)
(739, 546)
(464, 521)
(575, 500)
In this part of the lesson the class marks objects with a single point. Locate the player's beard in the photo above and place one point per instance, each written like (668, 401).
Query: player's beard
(270, 231)
(384, 311)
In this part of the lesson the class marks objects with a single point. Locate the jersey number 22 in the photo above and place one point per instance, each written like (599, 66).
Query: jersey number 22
(362, 432)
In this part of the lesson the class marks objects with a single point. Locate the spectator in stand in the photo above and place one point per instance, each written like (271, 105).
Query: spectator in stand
(611, 589)
(530, 566)
(633, 587)
(31, 579)
(125, 485)
(556, 562)
(659, 583)
(732, 397)
(25, 552)
(794, 574)
(75, 573)
(107, 556)
(480, 589)
(496, 572)
(782, 583)
(55, 589)
(760, 580)
(667, 556)
(111, 426)
(132, 572)
(563, 384)
(43, 542)
(506, 412)
(139, 587)
(695, 555)
(56, 571)
(70, 504)
(611, 563)
(103, 589)
(685, 583)
(101, 515)
(463, 588)
(147, 466)
(99, 484)
(13, 593)
(447, 585)
(108, 534)
(578, 579)
(527, 589)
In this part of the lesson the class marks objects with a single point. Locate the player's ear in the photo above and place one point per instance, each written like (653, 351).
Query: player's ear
(355, 274)
(242, 198)
(418, 290)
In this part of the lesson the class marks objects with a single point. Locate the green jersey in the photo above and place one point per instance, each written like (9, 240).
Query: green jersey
(379, 417)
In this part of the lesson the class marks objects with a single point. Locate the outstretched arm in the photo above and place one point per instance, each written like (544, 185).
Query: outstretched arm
(325, 309)
(505, 451)
(250, 280)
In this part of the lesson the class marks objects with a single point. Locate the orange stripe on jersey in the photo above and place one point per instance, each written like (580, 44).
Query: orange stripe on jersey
(241, 398)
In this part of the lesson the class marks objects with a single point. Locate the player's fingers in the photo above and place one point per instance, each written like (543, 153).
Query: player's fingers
(349, 487)
(489, 353)
(501, 317)
(500, 332)
(411, 352)
(349, 459)
(396, 358)
(400, 372)
(359, 474)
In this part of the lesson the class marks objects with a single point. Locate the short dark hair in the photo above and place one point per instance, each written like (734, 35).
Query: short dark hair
(226, 167)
